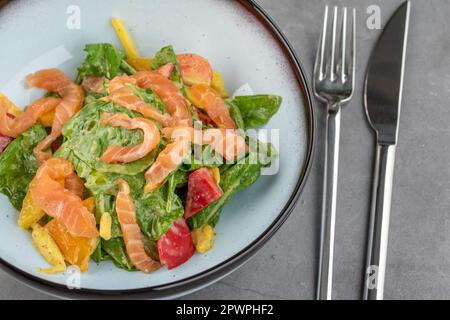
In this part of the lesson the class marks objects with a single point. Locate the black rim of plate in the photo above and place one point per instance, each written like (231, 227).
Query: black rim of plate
(207, 277)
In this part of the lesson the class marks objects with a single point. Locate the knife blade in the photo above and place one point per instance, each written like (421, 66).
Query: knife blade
(384, 79)
(382, 100)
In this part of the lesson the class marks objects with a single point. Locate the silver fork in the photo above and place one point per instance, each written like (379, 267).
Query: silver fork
(334, 82)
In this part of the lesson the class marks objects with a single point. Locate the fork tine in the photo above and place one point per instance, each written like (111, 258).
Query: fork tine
(343, 46)
(332, 67)
(352, 54)
(319, 64)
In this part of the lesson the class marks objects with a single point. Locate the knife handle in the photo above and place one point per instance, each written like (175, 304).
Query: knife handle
(328, 218)
(379, 222)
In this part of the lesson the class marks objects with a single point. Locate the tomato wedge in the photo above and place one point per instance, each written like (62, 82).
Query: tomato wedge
(176, 247)
(202, 190)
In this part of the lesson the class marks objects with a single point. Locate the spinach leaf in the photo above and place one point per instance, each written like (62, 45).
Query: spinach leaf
(105, 183)
(167, 55)
(176, 179)
(150, 97)
(237, 177)
(257, 110)
(261, 152)
(102, 60)
(86, 139)
(151, 213)
(151, 248)
(106, 203)
(18, 165)
(92, 97)
(204, 156)
(98, 255)
(235, 113)
(115, 248)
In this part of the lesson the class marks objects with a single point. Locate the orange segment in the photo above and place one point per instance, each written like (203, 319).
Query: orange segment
(76, 250)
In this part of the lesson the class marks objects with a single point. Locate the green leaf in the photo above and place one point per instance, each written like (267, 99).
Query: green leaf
(235, 113)
(92, 97)
(102, 60)
(18, 165)
(176, 179)
(106, 203)
(263, 152)
(151, 213)
(150, 97)
(167, 55)
(257, 110)
(86, 139)
(99, 255)
(115, 248)
(237, 177)
(105, 183)
(206, 158)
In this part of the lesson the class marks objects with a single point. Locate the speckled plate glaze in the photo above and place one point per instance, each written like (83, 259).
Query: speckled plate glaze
(244, 44)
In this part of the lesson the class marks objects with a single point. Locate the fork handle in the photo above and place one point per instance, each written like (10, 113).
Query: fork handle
(325, 275)
(379, 222)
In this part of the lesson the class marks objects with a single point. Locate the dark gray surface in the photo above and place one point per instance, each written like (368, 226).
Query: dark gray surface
(419, 260)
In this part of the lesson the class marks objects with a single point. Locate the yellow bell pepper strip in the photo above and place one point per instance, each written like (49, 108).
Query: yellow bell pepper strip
(216, 174)
(134, 59)
(203, 238)
(12, 108)
(141, 63)
(30, 213)
(48, 248)
(218, 84)
(125, 38)
(105, 225)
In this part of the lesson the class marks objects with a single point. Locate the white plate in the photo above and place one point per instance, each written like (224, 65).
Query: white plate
(240, 43)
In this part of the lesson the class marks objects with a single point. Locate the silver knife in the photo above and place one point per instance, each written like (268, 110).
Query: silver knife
(382, 99)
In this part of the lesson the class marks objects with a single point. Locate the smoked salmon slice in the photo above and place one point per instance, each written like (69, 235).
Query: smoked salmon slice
(13, 127)
(165, 70)
(132, 236)
(169, 94)
(124, 96)
(74, 184)
(228, 143)
(127, 154)
(194, 69)
(72, 95)
(167, 162)
(60, 203)
(206, 98)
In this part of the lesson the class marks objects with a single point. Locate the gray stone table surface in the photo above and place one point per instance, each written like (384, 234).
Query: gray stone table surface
(419, 241)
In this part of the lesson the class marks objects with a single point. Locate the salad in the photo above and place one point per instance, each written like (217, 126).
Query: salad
(133, 160)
